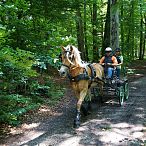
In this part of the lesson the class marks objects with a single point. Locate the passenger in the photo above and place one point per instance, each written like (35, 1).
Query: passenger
(109, 61)
(119, 57)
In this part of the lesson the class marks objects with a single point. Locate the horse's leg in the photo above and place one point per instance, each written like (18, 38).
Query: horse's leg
(89, 100)
(101, 91)
(86, 107)
(80, 97)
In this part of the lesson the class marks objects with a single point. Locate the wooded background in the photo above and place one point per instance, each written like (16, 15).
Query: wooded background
(33, 31)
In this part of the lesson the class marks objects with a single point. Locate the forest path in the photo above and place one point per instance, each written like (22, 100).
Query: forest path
(107, 125)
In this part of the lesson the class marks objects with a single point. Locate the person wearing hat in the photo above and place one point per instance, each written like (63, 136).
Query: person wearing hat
(109, 61)
(120, 61)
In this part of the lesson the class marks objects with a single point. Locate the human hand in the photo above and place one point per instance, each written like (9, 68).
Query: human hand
(110, 64)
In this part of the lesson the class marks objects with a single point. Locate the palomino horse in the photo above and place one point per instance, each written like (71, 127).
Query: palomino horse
(82, 75)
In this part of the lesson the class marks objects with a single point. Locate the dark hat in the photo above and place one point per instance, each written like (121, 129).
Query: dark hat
(118, 49)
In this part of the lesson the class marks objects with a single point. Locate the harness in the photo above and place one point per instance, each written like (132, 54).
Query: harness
(84, 75)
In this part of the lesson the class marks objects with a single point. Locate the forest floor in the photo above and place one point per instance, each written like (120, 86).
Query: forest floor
(107, 125)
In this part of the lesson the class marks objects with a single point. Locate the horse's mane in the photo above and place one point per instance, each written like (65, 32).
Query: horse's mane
(77, 56)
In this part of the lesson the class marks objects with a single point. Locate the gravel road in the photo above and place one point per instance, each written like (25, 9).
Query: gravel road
(107, 125)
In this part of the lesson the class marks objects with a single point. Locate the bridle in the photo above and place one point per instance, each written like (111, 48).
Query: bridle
(70, 60)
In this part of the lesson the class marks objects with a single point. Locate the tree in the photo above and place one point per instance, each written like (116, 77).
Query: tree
(94, 25)
(114, 24)
(106, 38)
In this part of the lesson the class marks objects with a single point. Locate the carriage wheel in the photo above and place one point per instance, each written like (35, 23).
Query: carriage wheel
(121, 95)
(126, 91)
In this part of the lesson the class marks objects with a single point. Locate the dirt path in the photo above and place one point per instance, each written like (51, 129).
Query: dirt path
(107, 125)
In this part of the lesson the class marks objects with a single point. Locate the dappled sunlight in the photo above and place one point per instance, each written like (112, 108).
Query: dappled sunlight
(137, 134)
(133, 88)
(130, 71)
(139, 74)
(122, 125)
(140, 108)
(107, 132)
(15, 131)
(139, 116)
(30, 126)
(44, 109)
(72, 141)
(31, 135)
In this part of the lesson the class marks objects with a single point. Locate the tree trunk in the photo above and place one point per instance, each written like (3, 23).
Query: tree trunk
(141, 35)
(86, 47)
(130, 36)
(114, 22)
(94, 25)
(122, 29)
(80, 33)
(106, 37)
(144, 41)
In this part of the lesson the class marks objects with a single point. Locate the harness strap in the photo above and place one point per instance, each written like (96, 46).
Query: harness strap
(93, 71)
(65, 65)
(78, 77)
(85, 76)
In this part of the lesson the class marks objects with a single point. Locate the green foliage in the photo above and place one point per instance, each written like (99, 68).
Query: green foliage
(56, 92)
(15, 68)
(13, 106)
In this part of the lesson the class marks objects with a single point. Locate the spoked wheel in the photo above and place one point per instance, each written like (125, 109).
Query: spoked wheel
(121, 95)
(126, 91)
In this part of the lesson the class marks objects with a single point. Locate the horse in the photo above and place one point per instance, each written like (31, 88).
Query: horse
(83, 76)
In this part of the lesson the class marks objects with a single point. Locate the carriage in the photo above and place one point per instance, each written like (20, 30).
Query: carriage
(87, 78)
(117, 88)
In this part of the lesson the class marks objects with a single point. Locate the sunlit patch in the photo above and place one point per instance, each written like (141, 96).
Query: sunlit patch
(81, 129)
(30, 126)
(133, 88)
(32, 135)
(130, 71)
(139, 74)
(140, 115)
(44, 109)
(72, 141)
(114, 136)
(122, 125)
(55, 60)
(140, 108)
(137, 134)
(16, 131)
(137, 128)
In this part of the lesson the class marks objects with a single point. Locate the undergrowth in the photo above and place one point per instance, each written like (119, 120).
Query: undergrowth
(15, 106)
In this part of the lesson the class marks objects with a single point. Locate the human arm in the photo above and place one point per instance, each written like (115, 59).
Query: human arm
(102, 60)
(121, 60)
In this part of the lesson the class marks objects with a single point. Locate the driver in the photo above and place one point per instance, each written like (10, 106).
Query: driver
(109, 61)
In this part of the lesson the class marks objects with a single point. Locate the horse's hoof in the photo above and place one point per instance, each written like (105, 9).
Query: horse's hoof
(76, 124)
(84, 110)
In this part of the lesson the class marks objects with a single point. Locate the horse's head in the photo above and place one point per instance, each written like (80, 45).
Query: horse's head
(67, 59)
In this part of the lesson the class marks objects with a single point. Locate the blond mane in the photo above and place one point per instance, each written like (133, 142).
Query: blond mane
(77, 56)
